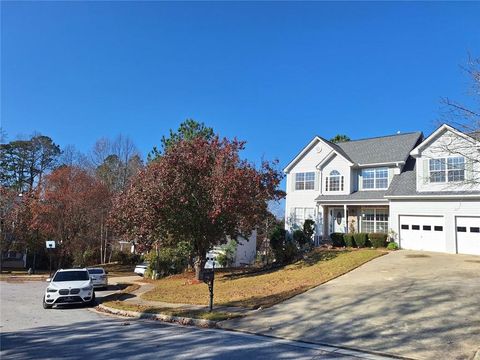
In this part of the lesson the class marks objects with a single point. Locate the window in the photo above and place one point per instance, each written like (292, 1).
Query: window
(475, 229)
(334, 182)
(427, 227)
(301, 214)
(405, 227)
(374, 220)
(305, 181)
(375, 178)
(438, 228)
(447, 169)
(415, 227)
(461, 229)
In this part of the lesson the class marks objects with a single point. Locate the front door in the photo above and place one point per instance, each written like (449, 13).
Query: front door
(337, 220)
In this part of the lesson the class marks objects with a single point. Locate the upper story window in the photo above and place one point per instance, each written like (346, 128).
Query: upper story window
(305, 181)
(447, 169)
(334, 182)
(376, 178)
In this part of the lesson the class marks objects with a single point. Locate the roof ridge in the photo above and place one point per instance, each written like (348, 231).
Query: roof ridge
(379, 137)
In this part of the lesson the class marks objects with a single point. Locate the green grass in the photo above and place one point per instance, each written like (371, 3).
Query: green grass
(252, 290)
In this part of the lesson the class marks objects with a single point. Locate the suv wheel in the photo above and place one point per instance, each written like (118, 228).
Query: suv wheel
(92, 300)
(45, 305)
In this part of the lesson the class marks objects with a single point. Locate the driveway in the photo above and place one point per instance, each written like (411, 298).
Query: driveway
(419, 305)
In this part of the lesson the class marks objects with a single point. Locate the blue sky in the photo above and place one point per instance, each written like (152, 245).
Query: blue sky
(273, 74)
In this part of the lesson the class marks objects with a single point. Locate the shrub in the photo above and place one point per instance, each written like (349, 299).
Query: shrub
(337, 239)
(277, 242)
(378, 240)
(125, 258)
(309, 229)
(170, 260)
(349, 240)
(361, 239)
(300, 238)
(392, 246)
(290, 251)
(227, 257)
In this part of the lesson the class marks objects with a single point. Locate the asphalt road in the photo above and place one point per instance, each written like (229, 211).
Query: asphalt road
(27, 331)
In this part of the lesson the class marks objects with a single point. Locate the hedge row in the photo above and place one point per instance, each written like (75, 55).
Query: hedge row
(359, 240)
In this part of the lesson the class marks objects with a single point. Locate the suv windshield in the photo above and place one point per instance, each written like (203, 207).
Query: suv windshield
(95, 271)
(71, 276)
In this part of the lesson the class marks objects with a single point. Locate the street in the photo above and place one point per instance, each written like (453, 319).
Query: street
(30, 332)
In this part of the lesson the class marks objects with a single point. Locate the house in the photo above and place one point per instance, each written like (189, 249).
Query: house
(425, 192)
(245, 252)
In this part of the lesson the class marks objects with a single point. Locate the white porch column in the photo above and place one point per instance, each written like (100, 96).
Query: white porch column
(346, 218)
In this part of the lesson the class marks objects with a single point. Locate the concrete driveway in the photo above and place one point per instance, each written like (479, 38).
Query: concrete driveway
(419, 305)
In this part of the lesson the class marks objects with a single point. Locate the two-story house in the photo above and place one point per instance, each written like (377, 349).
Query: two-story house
(425, 191)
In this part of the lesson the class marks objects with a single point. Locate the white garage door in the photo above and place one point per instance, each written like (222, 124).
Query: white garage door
(468, 235)
(422, 233)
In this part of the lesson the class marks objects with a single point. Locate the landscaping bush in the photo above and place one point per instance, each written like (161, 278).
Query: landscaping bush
(349, 240)
(300, 238)
(392, 246)
(378, 240)
(170, 260)
(361, 239)
(125, 258)
(285, 250)
(337, 239)
(227, 257)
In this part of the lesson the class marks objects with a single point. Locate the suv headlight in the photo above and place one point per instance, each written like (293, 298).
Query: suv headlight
(51, 290)
(88, 288)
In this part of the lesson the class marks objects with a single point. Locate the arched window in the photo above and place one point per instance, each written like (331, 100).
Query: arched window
(334, 182)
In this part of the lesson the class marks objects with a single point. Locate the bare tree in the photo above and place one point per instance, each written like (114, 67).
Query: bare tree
(466, 118)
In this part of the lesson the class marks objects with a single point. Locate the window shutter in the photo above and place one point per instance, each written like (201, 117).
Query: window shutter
(360, 180)
(426, 173)
(469, 175)
(317, 180)
(341, 187)
(326, 183)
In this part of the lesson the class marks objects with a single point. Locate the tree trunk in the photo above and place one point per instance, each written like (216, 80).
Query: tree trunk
(200, 266)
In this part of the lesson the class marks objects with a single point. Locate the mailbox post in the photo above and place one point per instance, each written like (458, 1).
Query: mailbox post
(208, 278)
(50, 245)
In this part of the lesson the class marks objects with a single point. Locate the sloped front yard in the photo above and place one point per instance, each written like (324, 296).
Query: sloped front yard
(255, 289)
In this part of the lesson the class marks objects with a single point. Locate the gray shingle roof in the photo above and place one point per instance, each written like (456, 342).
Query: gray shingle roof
(385, 149)
(358, 195)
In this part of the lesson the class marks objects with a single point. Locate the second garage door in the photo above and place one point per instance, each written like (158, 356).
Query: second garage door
(422, 233)
(468, 235)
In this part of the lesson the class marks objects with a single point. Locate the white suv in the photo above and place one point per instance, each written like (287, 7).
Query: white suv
(72, 286)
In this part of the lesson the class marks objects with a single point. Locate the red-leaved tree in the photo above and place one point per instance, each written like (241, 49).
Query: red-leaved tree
(199, 191)
(70, 207)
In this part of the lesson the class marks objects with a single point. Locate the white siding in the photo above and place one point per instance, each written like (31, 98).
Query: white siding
(439, 148)
(449, 209)
(246, 250)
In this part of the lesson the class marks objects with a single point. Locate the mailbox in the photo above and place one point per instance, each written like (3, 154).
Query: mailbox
(208, 275)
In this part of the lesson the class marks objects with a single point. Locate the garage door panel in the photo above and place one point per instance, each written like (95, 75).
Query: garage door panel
(422, 233)
(468, 234)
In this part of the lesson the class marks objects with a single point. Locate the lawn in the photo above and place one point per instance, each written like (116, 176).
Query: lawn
(267, 288)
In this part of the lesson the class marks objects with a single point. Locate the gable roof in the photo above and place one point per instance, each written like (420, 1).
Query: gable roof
(384, 149)
(378, 150)
(442, 129)
(310, 145)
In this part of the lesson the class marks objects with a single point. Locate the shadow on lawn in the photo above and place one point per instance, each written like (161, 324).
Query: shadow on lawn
(310, 259)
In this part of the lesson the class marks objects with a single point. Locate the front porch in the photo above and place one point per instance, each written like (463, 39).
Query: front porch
(354, 218)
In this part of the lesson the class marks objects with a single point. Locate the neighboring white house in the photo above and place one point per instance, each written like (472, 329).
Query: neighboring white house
(426, 190)
(245, 253)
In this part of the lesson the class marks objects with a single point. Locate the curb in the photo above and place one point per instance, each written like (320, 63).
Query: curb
(159, 317)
